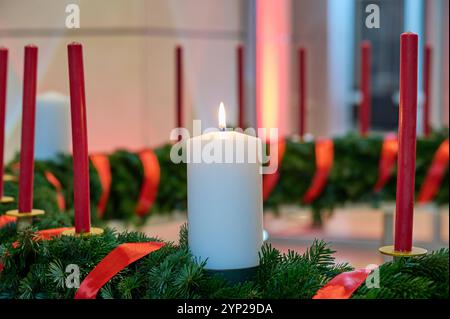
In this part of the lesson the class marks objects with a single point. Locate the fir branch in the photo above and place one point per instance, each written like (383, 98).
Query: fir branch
(36, 270)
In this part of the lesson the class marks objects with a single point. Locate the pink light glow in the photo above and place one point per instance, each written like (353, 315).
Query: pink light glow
(272, 63)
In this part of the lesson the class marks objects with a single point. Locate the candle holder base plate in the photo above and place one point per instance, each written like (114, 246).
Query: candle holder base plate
(33, 213)
(9, 178)
(390, 251)
(24, 219)
(6, 200)
(235, 276)
(94, 231)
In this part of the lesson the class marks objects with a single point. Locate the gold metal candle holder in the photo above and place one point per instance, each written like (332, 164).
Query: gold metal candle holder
(94, 231)
(390, 251)
(24, 219)
(6, 200)
(9, 178)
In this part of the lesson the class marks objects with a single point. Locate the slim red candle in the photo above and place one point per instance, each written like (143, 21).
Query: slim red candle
(302, 91)
(407, 142)
(179, 85)
(240, 78)
(3, 81)
(427, 89)
(79, 140)
(364, 108)
(26, 176)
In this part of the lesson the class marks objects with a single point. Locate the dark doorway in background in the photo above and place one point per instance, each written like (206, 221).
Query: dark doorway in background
(385, 60)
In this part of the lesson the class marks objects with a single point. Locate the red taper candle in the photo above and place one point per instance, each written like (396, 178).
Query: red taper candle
(407, 142)
(81, 191)
(3, 82)
(427, 89)
(365, 106)
(26, 176)
(179, 85)
(302, 91)
(240, 86)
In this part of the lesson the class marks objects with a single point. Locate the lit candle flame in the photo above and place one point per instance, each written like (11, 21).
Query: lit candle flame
(222, 117)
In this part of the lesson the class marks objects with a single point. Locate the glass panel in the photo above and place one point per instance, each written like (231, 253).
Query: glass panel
(385, 60)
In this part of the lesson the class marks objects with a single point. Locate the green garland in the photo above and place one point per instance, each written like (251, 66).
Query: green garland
(35, 269)
(44, 198)
(352, 178)
(407, 278)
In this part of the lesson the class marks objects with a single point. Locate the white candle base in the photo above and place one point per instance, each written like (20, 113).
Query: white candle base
(235, 276)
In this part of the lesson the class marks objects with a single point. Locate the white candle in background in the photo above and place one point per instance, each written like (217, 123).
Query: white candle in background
(52, 125)
(225, 201)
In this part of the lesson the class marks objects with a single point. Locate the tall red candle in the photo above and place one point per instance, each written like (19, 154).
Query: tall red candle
(179, 85)
(26, 176)
(406, 142)
(302, 91)
(365, 107)
(427, 89)
(79, 139)
(240, 86)
(3, 82)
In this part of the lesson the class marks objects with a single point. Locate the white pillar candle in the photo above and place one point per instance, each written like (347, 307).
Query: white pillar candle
(52, 125)
(225, 200)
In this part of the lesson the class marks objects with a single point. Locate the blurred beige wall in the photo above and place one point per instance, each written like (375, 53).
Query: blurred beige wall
(129, 62)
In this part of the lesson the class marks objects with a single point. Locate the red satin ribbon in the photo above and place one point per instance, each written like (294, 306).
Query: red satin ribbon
(101, 164)
(324, 162)
(388, 159)
(435, 174)
(149, 188)
(271, 180)
(115, 261)
(5, 219)
(51, 178)
(343, 285)
(48, 234)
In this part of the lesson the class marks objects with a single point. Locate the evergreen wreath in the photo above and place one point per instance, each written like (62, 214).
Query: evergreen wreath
(351, 180)
(36, 269)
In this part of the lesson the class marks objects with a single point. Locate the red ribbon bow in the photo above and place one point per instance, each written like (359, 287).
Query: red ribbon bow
(101, 164)
(271, 180)
(388, 159)
(51, 178)
(343, 285)
(5, 219)
(435, 174)
(115, 261)
(324, 162)
(149, 188)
